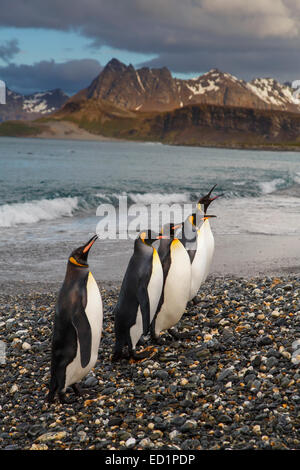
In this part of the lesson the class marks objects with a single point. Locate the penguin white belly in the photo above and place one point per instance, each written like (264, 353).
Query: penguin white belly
(176, 289)
(198, 265)
(94, 312)
(155, 285)
(210, 248)
(136, 330)
(154, 290)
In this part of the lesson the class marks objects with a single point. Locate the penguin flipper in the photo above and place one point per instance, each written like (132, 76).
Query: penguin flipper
(84, 334)
(143, 299)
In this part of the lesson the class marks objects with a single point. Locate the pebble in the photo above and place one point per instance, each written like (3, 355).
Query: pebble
(39, 447)
(234, 385)
(26, 346)
(173, 434)
(91, 382)
(188, 425)
(130, 442)
(275, 313)
(52, 436)
(146, 442)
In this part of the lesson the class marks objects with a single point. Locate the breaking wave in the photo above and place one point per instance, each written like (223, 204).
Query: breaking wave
(145, 198)
(268, 187)
(35, 211)
(70, 204)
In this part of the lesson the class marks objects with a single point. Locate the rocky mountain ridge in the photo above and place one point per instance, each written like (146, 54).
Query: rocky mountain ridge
(148, 89)
(30, 107)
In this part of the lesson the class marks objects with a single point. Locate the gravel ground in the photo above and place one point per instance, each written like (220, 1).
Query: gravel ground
(233, 385)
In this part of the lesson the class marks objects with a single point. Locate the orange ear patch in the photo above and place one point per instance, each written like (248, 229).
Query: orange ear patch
(73, 261)
(143, 236)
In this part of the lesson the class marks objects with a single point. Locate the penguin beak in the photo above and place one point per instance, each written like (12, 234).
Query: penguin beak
(208, 195)
(216, 197)
(208, 217)
(175, 227)
(89, 244)
(160, 237)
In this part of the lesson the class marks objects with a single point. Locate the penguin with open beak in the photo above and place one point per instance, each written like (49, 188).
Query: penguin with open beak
(198, 240)
(77, 325)
(207, 234)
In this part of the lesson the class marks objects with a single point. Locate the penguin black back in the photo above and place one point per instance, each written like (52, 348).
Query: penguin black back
(189, 233)
(73, 323)
(139, 295)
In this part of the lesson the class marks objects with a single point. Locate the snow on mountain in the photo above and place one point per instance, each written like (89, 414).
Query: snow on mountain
(32, 106)
(148, 89)
(273, 92)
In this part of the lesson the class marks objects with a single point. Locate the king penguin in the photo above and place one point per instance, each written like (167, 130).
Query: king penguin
(177, 280)
(77, 325)
(199, 242)
(139, 296)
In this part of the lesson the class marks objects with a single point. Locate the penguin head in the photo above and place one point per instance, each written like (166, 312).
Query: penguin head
(207, 199)
(169, 230)
(79, 256)
(195, 218)
(148, 237)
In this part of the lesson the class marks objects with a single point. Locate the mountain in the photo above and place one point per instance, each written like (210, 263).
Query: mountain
(223, 89)
(144, 89)
(30, 107)
(215, 109)
(148, 89)
(199, 125)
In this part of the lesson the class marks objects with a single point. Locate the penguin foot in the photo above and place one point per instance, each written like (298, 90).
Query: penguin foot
(195, 301)
(142, 341)
(62, 398)
(158, 340)
(143, 355)
(50, 397)
(77, 390)
(184, 334)
(119, 355)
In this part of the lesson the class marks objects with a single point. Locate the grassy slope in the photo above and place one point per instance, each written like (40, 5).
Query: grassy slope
(20, 129)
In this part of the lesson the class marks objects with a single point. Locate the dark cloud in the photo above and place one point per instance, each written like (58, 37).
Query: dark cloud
(70, 76)
(9, 49)
(260, 37)
(246, 63)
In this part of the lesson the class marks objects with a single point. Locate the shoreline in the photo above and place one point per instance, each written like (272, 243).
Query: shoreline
(67, 130)
(241, 256)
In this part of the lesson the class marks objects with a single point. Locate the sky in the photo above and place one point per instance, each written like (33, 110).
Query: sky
(65, 44)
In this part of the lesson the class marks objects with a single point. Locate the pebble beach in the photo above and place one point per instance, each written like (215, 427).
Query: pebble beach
(233, 385)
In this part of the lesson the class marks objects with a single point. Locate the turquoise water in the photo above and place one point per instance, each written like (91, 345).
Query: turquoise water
(50, 190)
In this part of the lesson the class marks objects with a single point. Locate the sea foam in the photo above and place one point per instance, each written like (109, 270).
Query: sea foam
(146, 198)
(34, 211)
(268, 187)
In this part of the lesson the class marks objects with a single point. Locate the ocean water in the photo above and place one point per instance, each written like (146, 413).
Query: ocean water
(50, 191)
